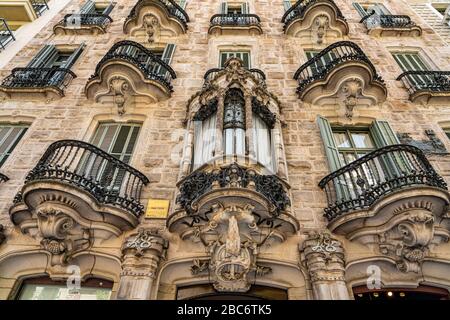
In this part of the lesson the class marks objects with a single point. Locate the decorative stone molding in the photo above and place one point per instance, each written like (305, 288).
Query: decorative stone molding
(141, 256)
(232, 238)
(324, 258)
(432, 146)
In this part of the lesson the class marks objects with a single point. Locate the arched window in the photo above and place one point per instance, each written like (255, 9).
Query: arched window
(234, 123)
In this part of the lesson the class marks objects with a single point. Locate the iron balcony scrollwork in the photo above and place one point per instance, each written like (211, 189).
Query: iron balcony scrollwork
(426, 81)
(387, 21)
(3, 178)
(79, 19)
(238, 19)
(6, 35)
(24, 78)
(298, 10)
(233, 176)
(359, 184)
(317, 68)
(151, 66)
(108, 179)
(171, 6)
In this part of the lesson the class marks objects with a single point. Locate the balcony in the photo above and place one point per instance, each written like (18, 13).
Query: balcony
(232, 24)
(155, 19)
(20, 12)
(77, 187)
(390, 25)
(6, 35)
(317, 21)
(3, 178)
(83, 24)
(343, 74)
(29, 82)
(130, 70)
(427, 87)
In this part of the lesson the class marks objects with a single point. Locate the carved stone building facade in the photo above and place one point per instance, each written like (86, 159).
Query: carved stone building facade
(270, 149)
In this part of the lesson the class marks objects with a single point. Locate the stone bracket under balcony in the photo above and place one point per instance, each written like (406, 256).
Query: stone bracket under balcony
(316, 21)
(36, 83)
(82, 24)
(234, 24)
(156, 19)
(390, 25)
(427, 87)
(392, 201)
(77, 194)
(130, 73)
(340, 75)
(233, 211)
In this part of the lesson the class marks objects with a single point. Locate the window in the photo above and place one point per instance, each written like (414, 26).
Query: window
(352, 143)
(322, 62)
(441, 8)
(9, 137)
(243, 55)
(447, 132)
(119, 141)
(49, 56)
(226, 8)
(234, 132)
(287, 4)
(90, 7)
(365, 9)
(46, 289)
(410, 61)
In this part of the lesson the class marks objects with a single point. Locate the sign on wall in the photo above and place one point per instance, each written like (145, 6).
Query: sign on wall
(157, 208)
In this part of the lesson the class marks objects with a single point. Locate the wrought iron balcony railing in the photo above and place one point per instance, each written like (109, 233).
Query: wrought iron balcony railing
(106, 178)
(151, 66)
(359, 184)
(171, 6)
(211, 73)
(325, 61)
(298, 10)
(426, 81)
(39, 6)
(233, 176)
(238, 20)
(3, 178)
(77, 20)
(31, 78)
(374, 20)
(6, 35)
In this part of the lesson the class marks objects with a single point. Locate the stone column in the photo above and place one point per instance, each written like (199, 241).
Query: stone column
(323, 256)
(141, 257)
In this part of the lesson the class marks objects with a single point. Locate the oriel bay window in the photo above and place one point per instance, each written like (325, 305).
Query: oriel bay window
(236, 130)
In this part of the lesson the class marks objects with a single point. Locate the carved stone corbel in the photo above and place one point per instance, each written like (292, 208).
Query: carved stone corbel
(118, 88)
(324, 258)
(152, 27)
(141, 257)
(351, 91)
(61, 235)
(319, 28)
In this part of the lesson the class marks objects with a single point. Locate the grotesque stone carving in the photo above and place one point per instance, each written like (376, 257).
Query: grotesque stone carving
(61, 235)
(319, 28)
(151, 26)
(324, 258)
(142, 254)
(432, 146)
(351, 91)
(230, 239)
(409, 239)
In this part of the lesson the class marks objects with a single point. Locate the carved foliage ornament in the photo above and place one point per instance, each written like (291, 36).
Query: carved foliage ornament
(61, 235)
(408, 241)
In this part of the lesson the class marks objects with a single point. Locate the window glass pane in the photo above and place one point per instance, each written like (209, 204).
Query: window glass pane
(342, 140)
(349, 157)
(122, 138)
(362, 140)
(53, 292)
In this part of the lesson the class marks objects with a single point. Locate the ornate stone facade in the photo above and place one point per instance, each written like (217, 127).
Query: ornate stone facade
(235, 226)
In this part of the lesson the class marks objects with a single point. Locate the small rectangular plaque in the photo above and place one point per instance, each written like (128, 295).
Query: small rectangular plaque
(157, 208)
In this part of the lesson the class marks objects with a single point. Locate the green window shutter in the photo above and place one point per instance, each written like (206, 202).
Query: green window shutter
(41, 59)
(73, 57)
(108, 9)
(182, 4)
(331, 149)
(244, 8)
(168, 53)
(287, 5)
(383, 134)
(9, 138)
(362, 12)
(224, 7)
(88, 7)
